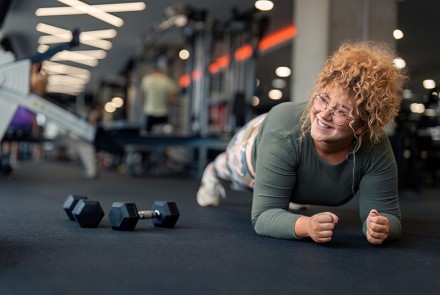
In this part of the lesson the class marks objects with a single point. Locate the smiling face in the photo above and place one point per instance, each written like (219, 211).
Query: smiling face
(327, 135)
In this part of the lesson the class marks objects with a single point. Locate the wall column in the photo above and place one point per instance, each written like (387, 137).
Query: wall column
(323, 24)
(310, 46)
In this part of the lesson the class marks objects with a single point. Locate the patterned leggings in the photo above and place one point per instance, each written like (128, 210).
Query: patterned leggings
(235, 163)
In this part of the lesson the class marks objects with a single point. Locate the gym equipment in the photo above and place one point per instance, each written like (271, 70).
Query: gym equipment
(70, 203)
(124, 216)
(15, 92)
(88, 213)
(136, 144)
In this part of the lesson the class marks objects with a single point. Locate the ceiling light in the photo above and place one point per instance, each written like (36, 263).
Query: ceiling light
(54, 39)
(279, 83)
(399, 63)
(109, 107)
(180, 20)
(50, 30)
(60, 35)
(120, 7)
(95, 12)
(62, 88)
(283, 72)
(184, 54)
(53, 67)
(255, 101)
(407, 93)
(275, 94)
(65, 79)
(98, 54)
(42, 48)
(429, 84)
(264, 5)
(397, 34)
(117, 102)
(56, 31)
(98, 43)
(75, 57)
(101, 34)
(84, 39)
(418, 108)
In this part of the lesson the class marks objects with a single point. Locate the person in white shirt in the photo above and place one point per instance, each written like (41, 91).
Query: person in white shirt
(159, 92)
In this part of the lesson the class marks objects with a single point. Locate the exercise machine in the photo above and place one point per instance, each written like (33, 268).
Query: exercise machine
(15, 92)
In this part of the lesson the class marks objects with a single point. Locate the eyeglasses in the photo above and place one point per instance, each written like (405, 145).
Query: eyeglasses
(339, 116)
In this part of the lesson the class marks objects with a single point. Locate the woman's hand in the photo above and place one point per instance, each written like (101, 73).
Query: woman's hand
(378, 227)
(319, 227)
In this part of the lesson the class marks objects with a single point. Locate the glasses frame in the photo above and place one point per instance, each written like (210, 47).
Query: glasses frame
(332, 110)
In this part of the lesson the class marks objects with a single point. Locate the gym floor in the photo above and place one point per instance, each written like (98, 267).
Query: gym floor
(211, 250)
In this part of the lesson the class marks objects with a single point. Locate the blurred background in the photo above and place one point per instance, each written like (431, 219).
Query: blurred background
(230, 60)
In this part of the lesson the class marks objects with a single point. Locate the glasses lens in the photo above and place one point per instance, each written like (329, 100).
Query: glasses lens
(339, 119)
(319, 104)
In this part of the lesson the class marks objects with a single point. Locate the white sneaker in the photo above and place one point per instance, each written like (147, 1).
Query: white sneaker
(210, 192)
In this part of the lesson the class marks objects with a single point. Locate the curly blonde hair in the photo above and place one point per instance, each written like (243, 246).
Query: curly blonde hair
(367, 71)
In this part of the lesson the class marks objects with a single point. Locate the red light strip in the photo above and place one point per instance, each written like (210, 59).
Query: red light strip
(184, 81)
(278, 37)
(245, 51)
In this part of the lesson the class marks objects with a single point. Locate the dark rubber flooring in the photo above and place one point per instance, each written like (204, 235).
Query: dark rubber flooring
(211, 250)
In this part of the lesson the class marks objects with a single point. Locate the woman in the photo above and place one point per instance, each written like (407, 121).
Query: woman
(323, 152)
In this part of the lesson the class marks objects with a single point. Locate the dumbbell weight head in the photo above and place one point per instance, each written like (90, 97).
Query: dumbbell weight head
(123, 216)
(70, 204)
(88, 213)
(168, 214)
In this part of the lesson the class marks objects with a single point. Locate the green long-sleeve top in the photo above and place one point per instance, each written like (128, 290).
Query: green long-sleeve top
(289, 170)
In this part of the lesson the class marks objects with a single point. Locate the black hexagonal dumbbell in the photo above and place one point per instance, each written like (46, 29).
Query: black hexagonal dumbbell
(124, 216)
(70, 204)
(88, 213)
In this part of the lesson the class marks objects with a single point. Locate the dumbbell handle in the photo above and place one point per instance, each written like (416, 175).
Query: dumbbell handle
(148, 214)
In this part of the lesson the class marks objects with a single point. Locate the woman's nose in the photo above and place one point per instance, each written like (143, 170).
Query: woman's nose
(327, 113)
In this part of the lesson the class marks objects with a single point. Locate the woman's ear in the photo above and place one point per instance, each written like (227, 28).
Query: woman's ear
(360, 130)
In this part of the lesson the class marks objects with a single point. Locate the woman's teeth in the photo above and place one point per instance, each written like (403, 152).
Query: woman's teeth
(322, 125)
